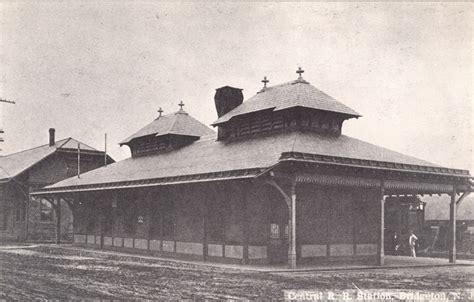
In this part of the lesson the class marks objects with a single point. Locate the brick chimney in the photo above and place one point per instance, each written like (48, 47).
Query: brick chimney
(227, 98)
(52, 141)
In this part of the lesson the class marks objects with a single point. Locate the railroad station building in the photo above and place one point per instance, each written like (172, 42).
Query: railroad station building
(33, 218)
(277, 183)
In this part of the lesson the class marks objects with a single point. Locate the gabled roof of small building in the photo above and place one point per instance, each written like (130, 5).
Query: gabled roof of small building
(221, 159)
(14, 164)
(177, 123)
(298, 93)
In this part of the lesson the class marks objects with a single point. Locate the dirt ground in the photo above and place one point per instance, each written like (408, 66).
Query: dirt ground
(49, 272)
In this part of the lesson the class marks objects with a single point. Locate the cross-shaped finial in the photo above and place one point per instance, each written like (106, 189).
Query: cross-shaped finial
(181, 105)
(299, 72)
(265, 81)
(160, 112)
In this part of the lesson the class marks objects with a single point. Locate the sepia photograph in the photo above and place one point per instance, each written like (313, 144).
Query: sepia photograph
(227, 151)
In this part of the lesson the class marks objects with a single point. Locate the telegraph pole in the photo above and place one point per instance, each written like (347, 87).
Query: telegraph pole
(7, 102)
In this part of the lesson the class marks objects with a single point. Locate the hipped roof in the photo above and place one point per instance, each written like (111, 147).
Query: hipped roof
(292, 94)
(211, 156)
(14, 164)
(177, 123)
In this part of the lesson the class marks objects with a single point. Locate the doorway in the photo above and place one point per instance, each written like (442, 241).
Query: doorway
(277, 229)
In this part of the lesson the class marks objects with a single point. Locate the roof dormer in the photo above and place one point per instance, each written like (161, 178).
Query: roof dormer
(295, 105)
(166, 133)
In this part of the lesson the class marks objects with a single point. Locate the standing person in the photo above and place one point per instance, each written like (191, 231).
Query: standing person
(412, 243)
(395, 244)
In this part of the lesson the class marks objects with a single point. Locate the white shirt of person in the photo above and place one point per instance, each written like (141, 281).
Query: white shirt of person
(412, 239)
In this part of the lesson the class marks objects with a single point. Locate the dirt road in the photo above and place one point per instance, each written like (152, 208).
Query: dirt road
(45, 272)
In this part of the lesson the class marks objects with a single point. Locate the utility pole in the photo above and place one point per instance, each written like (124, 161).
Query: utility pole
(1, 131)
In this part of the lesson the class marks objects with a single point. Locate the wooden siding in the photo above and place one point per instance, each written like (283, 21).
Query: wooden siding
(330, 222)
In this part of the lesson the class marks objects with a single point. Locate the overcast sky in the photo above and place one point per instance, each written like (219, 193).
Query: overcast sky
(89, 69)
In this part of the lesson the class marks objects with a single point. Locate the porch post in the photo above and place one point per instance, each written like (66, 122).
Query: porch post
(27, 216)
(58, 220)
(102, 224)
(452, 228)
(292, 233)
(205, 226)
(246, 221)
(381, 252)
(113, 214)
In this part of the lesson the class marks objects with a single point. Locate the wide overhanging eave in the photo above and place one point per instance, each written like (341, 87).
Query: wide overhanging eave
(174, 180)
(372, 164)
(224, 119)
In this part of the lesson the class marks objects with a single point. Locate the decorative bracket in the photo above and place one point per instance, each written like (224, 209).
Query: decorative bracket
(274, 184)
(459, 201)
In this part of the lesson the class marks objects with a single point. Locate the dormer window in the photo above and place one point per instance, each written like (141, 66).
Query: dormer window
(293, 106)
(166, 133)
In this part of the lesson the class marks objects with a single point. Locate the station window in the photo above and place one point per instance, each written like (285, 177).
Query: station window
(274, 231)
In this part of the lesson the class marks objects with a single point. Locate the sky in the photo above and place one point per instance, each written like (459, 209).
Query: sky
(88, 69)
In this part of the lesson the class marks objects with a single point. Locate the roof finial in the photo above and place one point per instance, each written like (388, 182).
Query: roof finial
(160, 112)
(265, 81)
(181, 105)
(299, 72)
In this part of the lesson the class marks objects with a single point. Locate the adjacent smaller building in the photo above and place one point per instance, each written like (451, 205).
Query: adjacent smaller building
(436, 225)
(23, 217)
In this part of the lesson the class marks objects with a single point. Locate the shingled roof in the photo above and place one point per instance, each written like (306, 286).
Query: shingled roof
(292, 94)
(14, 164)
(210, 159)
(220, 158)
(177, 123)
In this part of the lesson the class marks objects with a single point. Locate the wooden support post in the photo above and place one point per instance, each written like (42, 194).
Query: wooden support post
(73, 212)
(381, 252)
(246, 222)
(399, 216)
(205, 217)
(113, 214)
(452, 228)
(292, 233)
(160, 213)
(102, 225)
(58, 220)
(149, 219)
(27, 216)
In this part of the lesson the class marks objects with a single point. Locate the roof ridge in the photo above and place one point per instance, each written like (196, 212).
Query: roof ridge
(167, 115)
(25, 150)
(82, 143)
(288, 95)
(282, 84)
(177, 123)
(66, 141)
